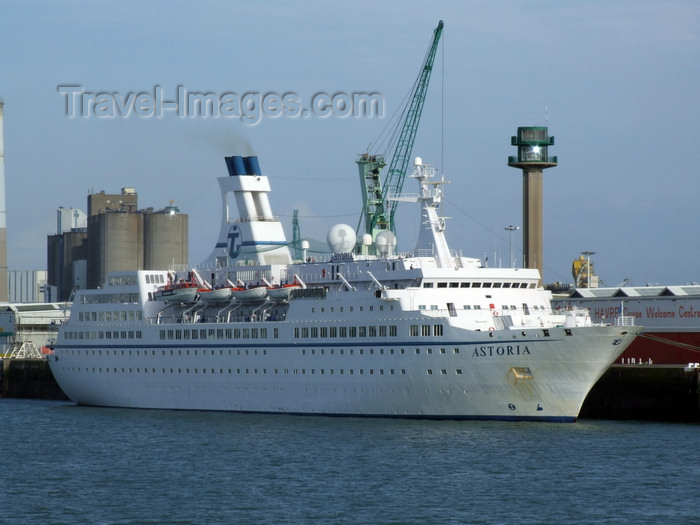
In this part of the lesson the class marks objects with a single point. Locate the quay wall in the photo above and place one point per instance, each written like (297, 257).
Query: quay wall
(29, 379)
(645, 392)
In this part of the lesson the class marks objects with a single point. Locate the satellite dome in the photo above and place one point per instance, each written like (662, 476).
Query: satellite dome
(341, 238)
(385, 242)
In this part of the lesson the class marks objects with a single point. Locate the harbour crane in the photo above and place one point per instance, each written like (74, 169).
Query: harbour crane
(378, 207)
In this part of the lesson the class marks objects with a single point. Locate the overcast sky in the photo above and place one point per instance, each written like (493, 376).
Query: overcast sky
(617, 83)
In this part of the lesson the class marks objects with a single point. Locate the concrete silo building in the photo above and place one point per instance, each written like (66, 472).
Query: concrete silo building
(117, 237)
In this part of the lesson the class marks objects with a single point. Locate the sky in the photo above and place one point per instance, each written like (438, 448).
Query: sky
(617, 84)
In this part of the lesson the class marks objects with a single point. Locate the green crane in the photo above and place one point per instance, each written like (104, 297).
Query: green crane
(378, 210)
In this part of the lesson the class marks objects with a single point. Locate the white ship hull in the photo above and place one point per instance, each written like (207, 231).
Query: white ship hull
(549, 382)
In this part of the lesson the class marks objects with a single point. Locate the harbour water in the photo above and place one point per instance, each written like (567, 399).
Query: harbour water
(64, 463)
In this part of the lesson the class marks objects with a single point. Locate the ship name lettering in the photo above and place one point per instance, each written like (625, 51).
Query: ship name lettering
(500, 350)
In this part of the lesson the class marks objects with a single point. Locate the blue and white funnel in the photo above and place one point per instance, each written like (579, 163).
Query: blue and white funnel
(255, 236)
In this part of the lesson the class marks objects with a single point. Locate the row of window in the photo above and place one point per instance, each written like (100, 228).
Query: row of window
(102, 334)
(300, 332)
(105, 298)
(155, 278)
(254, 371)
(331, 309)
(216, 333)
(263, 351)
(444, 284)
(122, 280)
(121, 315)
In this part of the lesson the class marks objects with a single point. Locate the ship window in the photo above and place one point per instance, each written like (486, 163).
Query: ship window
(455, 350)
(362, 331)
(425, 330)
(443, 371)
(324, 331)
(413, 330)
(427, 285)
(459, 371)
(373, 331)
(314, 331)
(393, 330)
(195, 334)
(437, 329)
(343, 331)
(417, 350)
(353, 331)
(442, 285)
(497, 285)
(430, 350)
(442, 350)
(430, 372)
(454, 285)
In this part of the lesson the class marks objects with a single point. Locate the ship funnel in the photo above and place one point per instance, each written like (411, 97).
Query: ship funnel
(252, 166)
(235, 165)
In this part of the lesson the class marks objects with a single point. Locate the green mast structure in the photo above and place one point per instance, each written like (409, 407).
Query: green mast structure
(378, 210)
(296, 237)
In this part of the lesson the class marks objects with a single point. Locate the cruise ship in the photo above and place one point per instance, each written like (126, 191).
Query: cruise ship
(366, 331)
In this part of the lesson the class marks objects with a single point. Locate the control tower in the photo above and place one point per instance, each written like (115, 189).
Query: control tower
(532, 143)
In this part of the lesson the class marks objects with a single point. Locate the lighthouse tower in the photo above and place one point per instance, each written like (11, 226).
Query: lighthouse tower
(532, 144)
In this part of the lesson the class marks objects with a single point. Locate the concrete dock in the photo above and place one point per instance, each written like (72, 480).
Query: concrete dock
(645, 392)
(29, 379)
